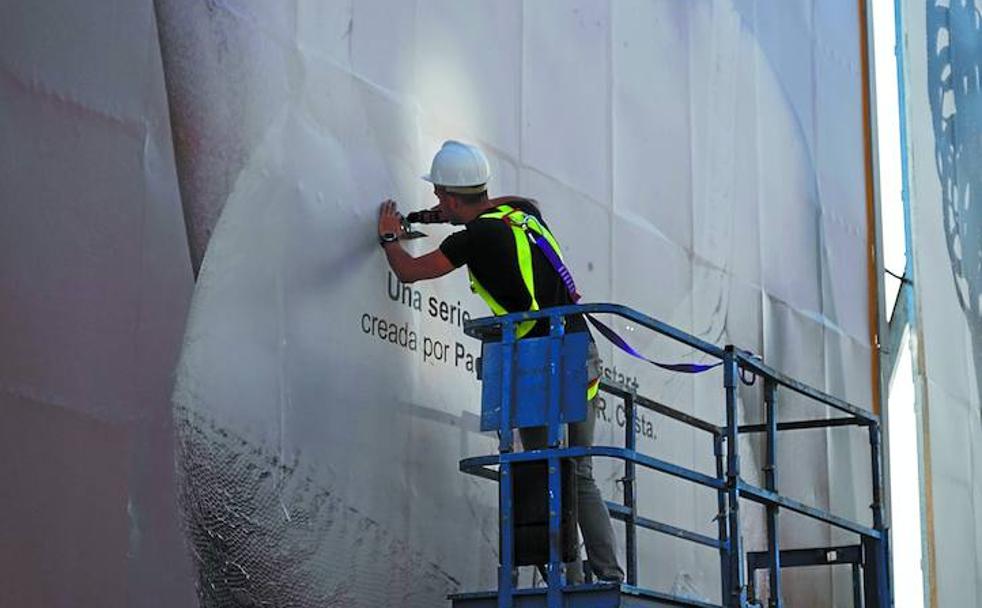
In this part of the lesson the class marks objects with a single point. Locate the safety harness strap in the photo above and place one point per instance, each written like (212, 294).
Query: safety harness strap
(524, 253)
(550, 248)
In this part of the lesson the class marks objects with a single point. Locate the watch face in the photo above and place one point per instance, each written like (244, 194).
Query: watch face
(388, 237)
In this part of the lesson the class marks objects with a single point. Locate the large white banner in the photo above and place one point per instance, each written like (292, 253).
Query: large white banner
(700, 161)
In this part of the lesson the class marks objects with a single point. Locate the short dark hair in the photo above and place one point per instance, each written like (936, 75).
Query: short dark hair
(475, 198)
(472, 199)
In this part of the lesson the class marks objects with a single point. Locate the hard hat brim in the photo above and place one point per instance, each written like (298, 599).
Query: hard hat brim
(475, 189)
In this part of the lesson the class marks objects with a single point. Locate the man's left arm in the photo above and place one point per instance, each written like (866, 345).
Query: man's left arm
(407, 268)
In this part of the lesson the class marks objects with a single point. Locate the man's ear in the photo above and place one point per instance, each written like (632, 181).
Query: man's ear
(453, 202)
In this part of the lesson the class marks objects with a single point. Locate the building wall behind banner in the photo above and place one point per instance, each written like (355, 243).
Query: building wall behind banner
(944, 119)
(94, 290)
(700, 161)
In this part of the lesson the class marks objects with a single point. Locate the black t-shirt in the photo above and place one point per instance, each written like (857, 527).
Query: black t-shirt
(487, 247)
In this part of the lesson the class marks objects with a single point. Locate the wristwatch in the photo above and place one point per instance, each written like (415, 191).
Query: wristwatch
(387, 237)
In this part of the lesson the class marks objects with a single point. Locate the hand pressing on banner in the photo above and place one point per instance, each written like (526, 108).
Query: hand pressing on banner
(409, 269)
(390, 223)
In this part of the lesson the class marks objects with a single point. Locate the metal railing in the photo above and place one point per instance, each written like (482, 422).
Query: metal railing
(727, 481)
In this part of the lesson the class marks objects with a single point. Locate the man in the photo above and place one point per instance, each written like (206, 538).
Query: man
(511, 275)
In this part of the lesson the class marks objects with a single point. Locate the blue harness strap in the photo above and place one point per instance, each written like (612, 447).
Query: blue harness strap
(553, 256)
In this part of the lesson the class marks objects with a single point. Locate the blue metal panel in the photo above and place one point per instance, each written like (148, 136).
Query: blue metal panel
(530, 381)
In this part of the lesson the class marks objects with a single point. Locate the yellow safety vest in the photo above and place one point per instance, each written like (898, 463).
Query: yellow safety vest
(522, 225)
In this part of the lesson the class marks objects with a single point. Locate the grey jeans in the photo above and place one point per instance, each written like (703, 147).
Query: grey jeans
(593, 517)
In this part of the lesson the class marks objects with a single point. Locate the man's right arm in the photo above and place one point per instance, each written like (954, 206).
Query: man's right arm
(409, 269)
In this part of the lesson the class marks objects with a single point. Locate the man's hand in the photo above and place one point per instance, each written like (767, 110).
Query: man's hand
(389, 219)
(406, 267)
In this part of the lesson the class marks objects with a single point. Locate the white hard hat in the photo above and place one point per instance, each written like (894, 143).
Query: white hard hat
(460, 168)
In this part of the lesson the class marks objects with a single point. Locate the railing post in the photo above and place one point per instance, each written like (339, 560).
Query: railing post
(554, 575)
(877, 506)
(554, 597)
(630, 498)
(556, 331)
(721, 523)
(857, 587)
(506, 570)
(770, 483)
(507, 380)
(875, 559)
(737, 592)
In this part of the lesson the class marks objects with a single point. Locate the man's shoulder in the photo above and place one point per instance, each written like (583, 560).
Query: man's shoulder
(526, 205)
(529, 205)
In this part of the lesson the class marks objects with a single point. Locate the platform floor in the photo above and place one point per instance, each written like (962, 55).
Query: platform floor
(582, 596)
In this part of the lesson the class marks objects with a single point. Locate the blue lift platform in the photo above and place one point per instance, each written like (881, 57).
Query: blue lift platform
(541, 382)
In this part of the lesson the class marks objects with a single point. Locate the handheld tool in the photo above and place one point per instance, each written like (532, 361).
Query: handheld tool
(426, 216)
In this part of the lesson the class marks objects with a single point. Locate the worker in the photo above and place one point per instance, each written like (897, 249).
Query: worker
(511, 275)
